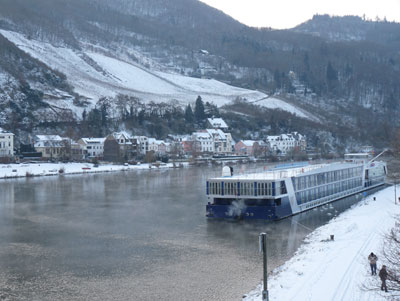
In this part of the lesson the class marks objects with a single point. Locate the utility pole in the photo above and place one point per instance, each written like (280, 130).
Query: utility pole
(395, 194)
(262, 239)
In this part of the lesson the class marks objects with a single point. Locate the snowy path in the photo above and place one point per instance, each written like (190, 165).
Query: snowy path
(336, 270)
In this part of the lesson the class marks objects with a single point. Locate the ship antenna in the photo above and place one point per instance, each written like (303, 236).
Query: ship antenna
(373, 159)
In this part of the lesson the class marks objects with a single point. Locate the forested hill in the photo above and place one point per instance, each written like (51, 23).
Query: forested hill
(347, 67)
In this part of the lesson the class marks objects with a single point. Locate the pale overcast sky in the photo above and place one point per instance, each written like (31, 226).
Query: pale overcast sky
(289, 13)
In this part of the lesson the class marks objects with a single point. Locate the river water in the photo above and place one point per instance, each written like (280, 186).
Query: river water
(138, 235)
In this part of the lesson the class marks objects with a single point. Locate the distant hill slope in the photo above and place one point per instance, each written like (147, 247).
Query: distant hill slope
(94, 75)
(352, 28)
(340, 70)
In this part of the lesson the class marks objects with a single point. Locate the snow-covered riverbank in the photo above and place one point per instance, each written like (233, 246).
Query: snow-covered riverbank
(336, 270)
(48, 169)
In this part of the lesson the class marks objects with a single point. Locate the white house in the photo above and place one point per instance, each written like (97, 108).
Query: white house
(203, 142)
(284, 143)
(51, 146)
(159, 146)
(217, 123)
(143, 144)
(6, 143)
(153, 146)
(222, 141)
(92, 147)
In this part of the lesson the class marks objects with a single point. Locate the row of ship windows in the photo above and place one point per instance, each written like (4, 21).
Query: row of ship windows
(320, 192)
(246, 188)
(325, 178)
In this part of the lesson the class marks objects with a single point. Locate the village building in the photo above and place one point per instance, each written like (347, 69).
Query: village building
(159, 146)
(142, 144)
(76, 151)
(217, 123)
(246, 147)
(120, 147)
(222, 141)
(52, 146)
(203, 142)
(92, 147)
(6, 144)
(283, 144)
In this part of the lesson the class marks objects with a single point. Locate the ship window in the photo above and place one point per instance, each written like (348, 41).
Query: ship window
(283, 187)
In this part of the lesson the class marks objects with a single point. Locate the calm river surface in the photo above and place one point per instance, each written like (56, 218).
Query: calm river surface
(137, 235)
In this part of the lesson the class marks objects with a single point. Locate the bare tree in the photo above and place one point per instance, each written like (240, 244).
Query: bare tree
(391, 258)
(391, 254)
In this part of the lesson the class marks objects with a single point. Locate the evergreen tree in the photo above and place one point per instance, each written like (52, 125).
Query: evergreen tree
(95, 123)
(199, 113)
(189, 117)
(104, 115)
(331, 73)
(211, 110)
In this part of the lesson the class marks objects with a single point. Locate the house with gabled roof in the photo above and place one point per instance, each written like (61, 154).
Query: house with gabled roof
(120, 147)
(92, 147)
(217, 123)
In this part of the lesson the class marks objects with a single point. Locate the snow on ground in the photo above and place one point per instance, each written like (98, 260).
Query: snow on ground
(275, 103)
(126, 77)
(336, 270)
(48, 169)
(112, 76)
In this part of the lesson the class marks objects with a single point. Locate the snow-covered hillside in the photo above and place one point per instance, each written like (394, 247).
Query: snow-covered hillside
(95, 72)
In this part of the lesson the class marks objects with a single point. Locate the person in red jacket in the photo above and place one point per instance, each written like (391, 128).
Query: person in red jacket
(383, 275)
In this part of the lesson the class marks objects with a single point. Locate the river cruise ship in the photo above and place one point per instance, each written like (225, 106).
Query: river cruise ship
(282, 192)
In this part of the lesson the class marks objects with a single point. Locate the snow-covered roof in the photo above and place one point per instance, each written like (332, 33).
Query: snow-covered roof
(122, 135)
(202, 135)
(217, 133)
(3, 131)
(49, 143)
(248, 142)
(282, 137)
(48, 138)
(217, 123)
(93, 140)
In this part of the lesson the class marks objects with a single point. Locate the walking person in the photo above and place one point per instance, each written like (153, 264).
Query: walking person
(372, 262)
(383, 275)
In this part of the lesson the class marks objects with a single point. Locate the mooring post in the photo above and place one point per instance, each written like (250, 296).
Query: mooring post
(263, 248)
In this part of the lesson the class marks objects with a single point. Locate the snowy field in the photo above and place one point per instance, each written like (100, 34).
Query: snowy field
(337, 270)
(109, 76)
(278, 104)
(49, 169)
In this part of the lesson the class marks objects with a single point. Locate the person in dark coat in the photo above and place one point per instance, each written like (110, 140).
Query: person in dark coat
(372, 262)
(383, 275)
